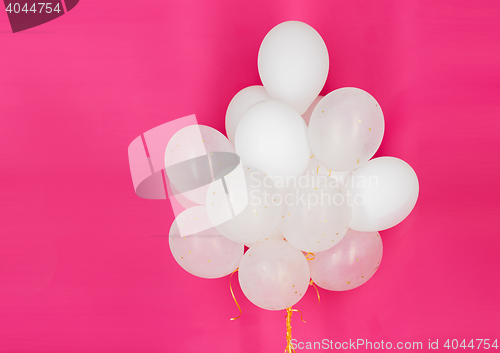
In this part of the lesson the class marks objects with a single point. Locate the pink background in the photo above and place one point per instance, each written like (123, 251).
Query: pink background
(84, 262)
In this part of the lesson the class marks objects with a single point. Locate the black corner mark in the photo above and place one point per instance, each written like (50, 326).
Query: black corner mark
(25, 14)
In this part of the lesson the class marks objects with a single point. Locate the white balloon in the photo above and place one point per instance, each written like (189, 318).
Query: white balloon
(293, 64)
(186, 145)
(272, 137)
(183, 201)
(346, 129)
(315, 215)
(247, 213)
(206, 254)
(274, 275)
(240, 103)
(308, 113)
(275, 234)
(384, 191)
(350, 263)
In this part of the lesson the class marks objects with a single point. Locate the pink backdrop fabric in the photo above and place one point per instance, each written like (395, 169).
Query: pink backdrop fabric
(84, 262)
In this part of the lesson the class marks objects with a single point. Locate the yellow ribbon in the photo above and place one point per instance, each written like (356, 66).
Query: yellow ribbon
(312, 254)
(289, 312)
(311, 283)
(289, 347)
(234, 298)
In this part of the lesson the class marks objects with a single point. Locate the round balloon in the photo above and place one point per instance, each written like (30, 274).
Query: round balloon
(346, 129)
(205, 253)
(189, 147)
(383, 192)
(348, 264)
(240, 103)
(272, 137)
(293, 64)
(274, 275)
(182, 200)
(315, 215)
(275, 234)
(246, 212)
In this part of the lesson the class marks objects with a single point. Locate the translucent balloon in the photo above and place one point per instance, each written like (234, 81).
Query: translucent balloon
(384, 191)
(205, 254)
(247, 213)
(183, 201)
(240, 103)
(293, 64)
(274, 275)
(188, 145)
(272, 137)
(346, 129)
(275, 234)
(348, 264)
(308, 113)
(316, 168)
(316, 215)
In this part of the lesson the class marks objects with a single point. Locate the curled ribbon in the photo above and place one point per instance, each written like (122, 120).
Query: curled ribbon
(289, 347)
(310, 254)
(234, 298)
(311, 283)
(289, 312)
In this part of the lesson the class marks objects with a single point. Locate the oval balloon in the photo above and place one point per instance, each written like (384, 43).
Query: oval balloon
(274, 275)
(240, 103)
(346, 129)
(245, 213)
(293, 64)
(349, 264)
(275, 234)
(272, 137)
(315, 214)
(190, 145)
(205, 254)
(383, 193)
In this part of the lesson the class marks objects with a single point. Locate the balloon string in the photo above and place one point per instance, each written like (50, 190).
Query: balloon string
(312, 254)
(311, 283)
(234, 298)
(289, 312)
(300, 315)
(289, 347)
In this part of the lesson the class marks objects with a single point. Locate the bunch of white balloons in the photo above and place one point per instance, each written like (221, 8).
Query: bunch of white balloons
(305, 183)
